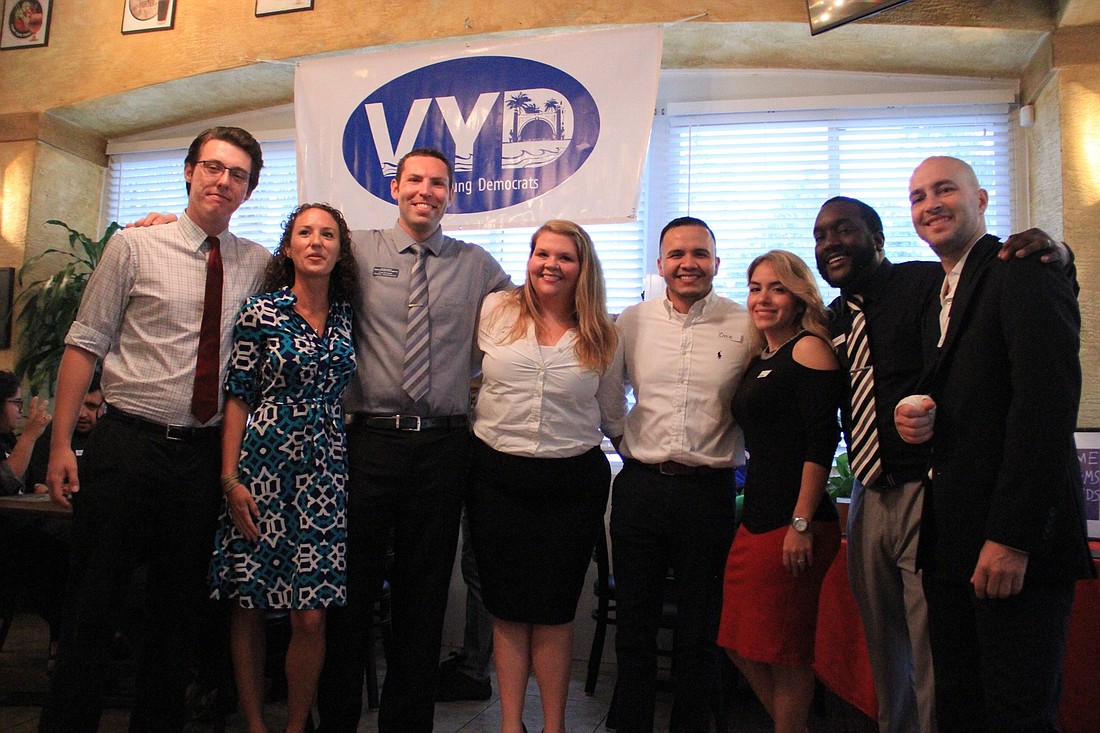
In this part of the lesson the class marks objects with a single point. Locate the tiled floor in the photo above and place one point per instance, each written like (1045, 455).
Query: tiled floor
(23, 678)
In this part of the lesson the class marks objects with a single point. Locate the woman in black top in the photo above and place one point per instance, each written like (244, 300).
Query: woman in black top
(787, 406)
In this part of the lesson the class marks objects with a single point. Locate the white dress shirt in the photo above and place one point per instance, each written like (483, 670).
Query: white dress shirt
(537, 401)
(684, 369)
(142, 310)
(947, 291)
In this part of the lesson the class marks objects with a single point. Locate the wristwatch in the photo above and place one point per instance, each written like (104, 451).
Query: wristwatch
(801, 525)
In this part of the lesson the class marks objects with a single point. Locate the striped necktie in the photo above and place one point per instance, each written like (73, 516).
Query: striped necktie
(863, 454)
(417, 363)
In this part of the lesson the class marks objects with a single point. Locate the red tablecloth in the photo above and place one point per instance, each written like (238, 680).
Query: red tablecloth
(842, 663)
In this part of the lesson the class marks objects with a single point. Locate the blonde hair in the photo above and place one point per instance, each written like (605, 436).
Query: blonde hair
(596, 335)
(796, 277)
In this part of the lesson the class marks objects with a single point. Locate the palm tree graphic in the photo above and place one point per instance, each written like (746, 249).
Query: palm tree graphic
(553, 105)
(518, 102)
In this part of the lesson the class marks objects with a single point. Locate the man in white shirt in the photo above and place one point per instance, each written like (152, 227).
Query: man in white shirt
(159, 311)
(673, 502)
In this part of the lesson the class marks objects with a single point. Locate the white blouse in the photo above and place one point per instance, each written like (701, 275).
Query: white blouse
(538, 401)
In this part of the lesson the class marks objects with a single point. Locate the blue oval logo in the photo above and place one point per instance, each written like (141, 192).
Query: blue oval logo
(514, 129)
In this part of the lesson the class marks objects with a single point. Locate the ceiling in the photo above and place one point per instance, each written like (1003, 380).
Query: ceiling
(904, 40)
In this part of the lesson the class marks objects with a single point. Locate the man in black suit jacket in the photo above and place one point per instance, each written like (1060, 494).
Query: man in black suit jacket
(1003, 538)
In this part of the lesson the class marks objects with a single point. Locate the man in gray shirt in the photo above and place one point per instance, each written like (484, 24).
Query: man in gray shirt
(409, 445)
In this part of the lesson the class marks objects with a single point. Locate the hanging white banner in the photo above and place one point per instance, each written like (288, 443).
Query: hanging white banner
(540, 128)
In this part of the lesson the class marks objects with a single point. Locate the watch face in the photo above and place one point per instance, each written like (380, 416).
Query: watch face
(800, 524)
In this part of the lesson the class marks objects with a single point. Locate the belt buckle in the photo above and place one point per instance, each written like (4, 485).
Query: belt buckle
(175, 432)
(400, 424)
(667, 468)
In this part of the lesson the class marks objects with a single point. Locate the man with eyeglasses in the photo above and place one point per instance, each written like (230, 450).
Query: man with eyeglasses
(408, 444)
(158, 311)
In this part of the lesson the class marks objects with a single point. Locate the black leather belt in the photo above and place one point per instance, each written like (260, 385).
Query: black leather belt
(184, 433)
(672, 468)
(413, 423)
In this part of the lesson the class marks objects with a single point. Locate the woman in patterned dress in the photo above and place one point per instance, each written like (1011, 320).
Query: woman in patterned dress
(281, 539)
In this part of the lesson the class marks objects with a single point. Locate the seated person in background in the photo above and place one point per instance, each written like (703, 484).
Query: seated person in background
(17, 451)
(86, 420)
(45, 540)
(21, 563)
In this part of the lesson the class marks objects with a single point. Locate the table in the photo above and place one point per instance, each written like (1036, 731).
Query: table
(31, 503)
(843, 666)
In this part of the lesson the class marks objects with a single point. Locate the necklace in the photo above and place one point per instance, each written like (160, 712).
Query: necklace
(767, 353)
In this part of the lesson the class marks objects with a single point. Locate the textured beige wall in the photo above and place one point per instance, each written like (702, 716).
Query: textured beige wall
(1044, 142)
(1079, 92)
(16, 172)
(64, 186)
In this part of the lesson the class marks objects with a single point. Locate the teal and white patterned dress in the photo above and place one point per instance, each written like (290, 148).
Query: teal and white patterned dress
(293, 458)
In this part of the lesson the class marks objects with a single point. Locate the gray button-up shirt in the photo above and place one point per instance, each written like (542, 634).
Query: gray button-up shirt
(460, 275)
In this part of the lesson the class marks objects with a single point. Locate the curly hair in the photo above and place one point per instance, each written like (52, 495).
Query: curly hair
(343, 284)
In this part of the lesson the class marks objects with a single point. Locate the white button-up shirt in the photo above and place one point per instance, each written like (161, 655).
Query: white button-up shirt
(684, 369)
(537, 401)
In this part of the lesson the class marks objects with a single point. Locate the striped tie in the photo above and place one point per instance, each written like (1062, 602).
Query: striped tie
(863, 448)
(415, 382)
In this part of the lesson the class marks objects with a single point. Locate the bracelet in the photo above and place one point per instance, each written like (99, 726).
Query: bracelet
(229, 483)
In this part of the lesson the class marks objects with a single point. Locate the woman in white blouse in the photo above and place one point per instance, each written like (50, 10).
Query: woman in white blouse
(553, 387)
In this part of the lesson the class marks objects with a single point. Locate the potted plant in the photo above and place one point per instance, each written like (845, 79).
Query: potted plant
(839, 488)
(48, 306)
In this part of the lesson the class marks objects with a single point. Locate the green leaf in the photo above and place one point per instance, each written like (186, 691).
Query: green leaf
(49, 305)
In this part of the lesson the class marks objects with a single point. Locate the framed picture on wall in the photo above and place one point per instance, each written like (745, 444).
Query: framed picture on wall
(139, 16)
(26, 23)
(1088, 453)
(272, 7)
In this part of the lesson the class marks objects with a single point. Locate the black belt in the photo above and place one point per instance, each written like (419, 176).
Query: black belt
(672, 468)
(184, 433)
(413, 423)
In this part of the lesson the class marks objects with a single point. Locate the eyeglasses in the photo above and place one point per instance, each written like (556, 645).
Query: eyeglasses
(215, 168)
(17, 401)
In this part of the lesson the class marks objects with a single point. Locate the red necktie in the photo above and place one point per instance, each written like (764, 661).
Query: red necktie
(204, 397)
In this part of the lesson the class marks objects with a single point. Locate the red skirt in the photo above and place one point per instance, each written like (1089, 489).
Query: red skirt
(767, 614)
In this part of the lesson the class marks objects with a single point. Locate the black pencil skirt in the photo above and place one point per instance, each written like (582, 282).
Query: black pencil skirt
(534, 523)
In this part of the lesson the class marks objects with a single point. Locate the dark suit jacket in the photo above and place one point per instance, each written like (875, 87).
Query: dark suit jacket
(1007, 382)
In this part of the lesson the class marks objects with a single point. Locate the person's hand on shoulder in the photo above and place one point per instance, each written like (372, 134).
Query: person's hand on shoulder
(1035, 241)
(153, 218)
